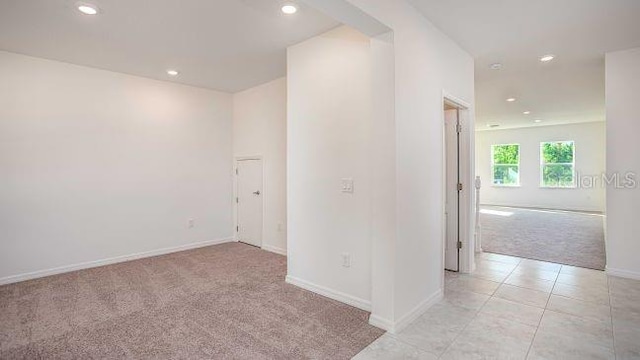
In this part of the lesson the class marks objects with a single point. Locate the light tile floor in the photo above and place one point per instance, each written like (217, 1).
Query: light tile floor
(513, 308)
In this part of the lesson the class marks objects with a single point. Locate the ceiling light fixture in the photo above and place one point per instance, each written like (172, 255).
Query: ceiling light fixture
(289, 9)
(537, 121)
(547, 58)
(495, 66)
(493, 125)
(172, 72)
(527, 112)
(87, 9)
(511, 99)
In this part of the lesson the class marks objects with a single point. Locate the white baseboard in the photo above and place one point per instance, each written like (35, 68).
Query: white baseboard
(330, 293)
(542, 207)
(623, 273)
(108, 261)
(382, 323)
(416, 312)
(275, 249)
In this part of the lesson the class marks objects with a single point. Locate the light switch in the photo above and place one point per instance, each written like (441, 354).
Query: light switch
(346, 185)
(346, 260)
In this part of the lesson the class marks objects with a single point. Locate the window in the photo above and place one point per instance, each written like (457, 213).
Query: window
(505, 164)
(557, 164)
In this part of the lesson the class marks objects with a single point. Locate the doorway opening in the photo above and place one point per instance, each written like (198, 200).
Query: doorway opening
(544, 193)
(249, 204)
(457, 173)
(452, 195)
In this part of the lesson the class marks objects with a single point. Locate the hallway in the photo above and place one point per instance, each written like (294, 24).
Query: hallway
(513, 308)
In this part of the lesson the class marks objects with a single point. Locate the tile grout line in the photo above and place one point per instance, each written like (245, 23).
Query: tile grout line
(475, 316)
(396, 338)
(407, 344)
(526, 288)
(613, 333)
(543, 312)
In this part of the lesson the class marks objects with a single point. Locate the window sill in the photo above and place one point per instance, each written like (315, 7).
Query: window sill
(558, 187)
(506, 186)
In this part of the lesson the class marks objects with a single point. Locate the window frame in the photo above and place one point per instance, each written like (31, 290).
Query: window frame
(493, 164)
(543, 164)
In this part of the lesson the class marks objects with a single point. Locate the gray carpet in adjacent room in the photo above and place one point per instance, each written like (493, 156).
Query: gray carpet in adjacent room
(227, 301)
(564, 237)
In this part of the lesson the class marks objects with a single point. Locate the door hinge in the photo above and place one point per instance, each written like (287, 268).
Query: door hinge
(459, 186)
(237, 200)
(237, 228)
(458, 128)
(459, 244)
(236, 171)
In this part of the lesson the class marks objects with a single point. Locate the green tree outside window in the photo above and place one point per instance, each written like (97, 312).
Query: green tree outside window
(505, 164)
(557, 164)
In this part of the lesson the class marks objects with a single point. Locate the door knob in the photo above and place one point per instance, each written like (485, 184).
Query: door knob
(256, 192)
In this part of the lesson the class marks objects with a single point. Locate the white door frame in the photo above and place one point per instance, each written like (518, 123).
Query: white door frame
(452, 196)
(467, 158)
(235, 194)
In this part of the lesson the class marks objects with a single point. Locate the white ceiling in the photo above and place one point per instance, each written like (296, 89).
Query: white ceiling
(227, 45)
(516, 33)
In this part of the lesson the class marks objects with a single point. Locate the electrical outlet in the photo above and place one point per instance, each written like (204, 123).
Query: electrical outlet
(191, 223)
(346, 260)
(346, 185)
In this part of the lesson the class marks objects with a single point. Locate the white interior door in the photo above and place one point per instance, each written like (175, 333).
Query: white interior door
(452, 205)
(249, 201)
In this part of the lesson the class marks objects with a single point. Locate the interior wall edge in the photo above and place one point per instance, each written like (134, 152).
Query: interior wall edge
(380, 322)
(275, 249)
(417, 311)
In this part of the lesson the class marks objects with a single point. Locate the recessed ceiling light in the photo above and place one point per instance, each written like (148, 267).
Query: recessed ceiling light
(527, 112)
(289, 9)
(511, 99)
(172, 72)
(87, 9)
(493, 125)
(547, 58)
(495, 66)
(537, 121)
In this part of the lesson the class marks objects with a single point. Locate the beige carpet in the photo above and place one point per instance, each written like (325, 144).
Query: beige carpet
(222, 302)
(563, 237)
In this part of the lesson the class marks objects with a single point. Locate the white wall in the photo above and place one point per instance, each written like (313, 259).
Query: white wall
(97, 165)
(623, 149)
(328, 132)
(427, 63)
(424, 64)
(589, 157)
(259, 128)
